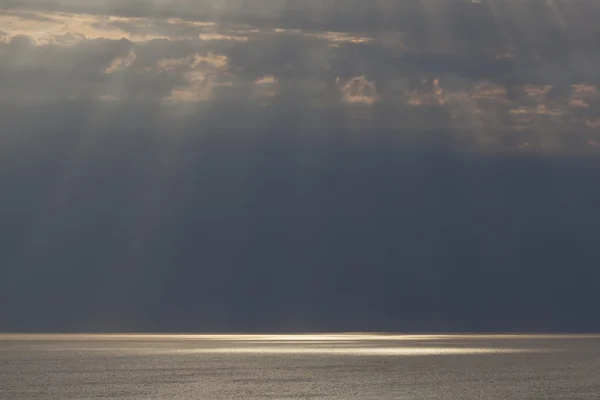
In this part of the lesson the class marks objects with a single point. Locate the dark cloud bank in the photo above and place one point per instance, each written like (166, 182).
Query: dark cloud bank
(430, 166)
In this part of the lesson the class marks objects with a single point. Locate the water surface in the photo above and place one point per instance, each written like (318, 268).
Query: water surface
(339, 366)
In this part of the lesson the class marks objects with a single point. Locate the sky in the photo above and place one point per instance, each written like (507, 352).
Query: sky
(276, 165)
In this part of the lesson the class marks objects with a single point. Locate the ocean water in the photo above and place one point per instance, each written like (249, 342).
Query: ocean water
(352, 366)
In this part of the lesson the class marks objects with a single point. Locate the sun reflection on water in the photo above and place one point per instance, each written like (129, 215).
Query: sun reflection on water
(356, 351)
(351, 344)
(305, 338)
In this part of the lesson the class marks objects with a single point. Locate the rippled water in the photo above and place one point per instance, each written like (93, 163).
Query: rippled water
(299, 367)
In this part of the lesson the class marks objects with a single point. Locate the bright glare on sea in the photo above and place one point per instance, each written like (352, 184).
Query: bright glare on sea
(353, 366)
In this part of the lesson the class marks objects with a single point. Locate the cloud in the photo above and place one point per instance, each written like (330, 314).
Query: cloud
(429, 93)
(109, 97)
(194, 61)
(358, 90)
(120, 63)
(536, 92)
(584, 90)
(268, 86)
(581, 94)
(540, 109)
(217, 36)
(340, 37)
(487, 91)
(198, 88)
(66, 28)
(266, 80)
(199, 74)
(580, 103)
(449, 78)
(593, 123)
(44, 28)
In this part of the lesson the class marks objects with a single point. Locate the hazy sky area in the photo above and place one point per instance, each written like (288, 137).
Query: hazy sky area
(273, 165)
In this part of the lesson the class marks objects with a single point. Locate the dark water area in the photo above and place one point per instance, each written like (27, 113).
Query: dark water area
(357, 366)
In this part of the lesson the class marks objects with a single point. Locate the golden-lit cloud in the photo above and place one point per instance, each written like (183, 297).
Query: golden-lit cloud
(218, 36)
(578, 103)
(45, 28)
(334, 38)
(199, 74)
(181, 21)
(584, 90)
(433, 94)
(490, 92)
(121, 63)
(196, 91)
(340, 37)
(180, 60)
(219, 61)
(430, 94)
(581, 94)
(266, 80)
(358, 90)
(65, 28)
(267, 86)
(540, 109)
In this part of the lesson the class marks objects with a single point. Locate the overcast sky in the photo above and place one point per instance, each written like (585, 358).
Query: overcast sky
(269, 165)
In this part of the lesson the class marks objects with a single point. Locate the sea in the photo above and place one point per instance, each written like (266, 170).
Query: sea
(307, 366)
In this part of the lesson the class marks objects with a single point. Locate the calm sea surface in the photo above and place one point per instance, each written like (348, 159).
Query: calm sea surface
(299, 367)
